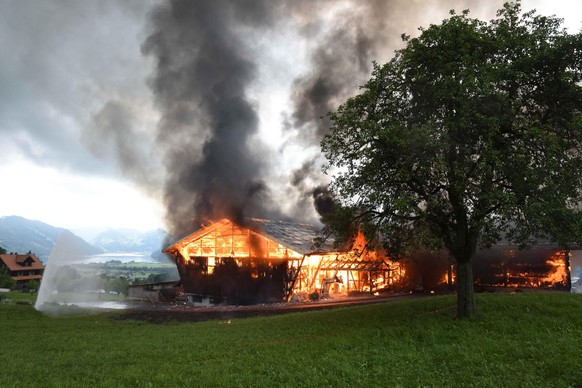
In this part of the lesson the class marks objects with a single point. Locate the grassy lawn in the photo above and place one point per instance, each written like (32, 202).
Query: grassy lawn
(19, 297)
(519, 340)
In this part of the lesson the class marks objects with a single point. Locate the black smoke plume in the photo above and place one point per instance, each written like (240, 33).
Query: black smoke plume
(323, 200)
(341, 60)
(204, 67)
(206, 61)
(312, 194)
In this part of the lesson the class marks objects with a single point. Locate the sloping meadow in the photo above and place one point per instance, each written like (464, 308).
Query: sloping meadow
(523, 339)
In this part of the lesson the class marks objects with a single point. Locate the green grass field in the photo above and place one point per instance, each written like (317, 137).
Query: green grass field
(518, 340)
(19, 297)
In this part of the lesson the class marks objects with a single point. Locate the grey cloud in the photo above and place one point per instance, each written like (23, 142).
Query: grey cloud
(61, 61)
(342, 59)
(113, 134)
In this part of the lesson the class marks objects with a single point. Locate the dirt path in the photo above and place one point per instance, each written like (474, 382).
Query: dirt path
(161, 313)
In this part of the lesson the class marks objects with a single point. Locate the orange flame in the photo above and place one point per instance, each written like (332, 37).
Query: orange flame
(359, 244)
(559, 273)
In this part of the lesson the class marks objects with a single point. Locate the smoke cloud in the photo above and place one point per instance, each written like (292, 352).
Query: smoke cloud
(208, 128)
(341, 61)
(113, 134)
(207, 62)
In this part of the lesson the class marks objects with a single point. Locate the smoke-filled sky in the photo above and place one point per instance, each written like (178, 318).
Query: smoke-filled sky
(146, 114)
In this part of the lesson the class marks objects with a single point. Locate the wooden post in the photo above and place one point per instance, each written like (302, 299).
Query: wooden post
(348, 280)
(568, 275)
(289, 291)
(315, 275)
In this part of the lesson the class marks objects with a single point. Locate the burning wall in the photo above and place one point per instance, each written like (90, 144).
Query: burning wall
(507, 266)
(543, 267)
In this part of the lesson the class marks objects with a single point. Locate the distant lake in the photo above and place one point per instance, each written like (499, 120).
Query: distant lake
(122, 257)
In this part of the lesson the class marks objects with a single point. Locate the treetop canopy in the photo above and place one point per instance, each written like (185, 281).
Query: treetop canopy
(473, 128)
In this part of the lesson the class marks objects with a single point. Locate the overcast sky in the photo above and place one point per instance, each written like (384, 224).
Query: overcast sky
(89, 129)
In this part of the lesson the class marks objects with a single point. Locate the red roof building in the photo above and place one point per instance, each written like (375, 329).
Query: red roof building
(22, 268)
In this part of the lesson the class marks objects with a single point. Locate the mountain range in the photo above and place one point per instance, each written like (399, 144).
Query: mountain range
(21, 235)
(130, 241)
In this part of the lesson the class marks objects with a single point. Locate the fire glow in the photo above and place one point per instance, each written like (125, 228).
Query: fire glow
(537, 268)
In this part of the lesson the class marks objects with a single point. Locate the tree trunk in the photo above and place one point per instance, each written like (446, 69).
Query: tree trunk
(465, 289)
(568, 274)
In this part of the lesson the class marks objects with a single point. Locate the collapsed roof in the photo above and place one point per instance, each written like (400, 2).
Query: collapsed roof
(298, 237)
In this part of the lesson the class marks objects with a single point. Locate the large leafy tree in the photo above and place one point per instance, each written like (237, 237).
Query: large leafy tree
(470, 134)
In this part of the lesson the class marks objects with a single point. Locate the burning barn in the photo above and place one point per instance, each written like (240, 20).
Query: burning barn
(266, 261)
(269, 261)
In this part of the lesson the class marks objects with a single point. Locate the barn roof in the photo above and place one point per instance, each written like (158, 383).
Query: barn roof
(300, 237)
(297, 236)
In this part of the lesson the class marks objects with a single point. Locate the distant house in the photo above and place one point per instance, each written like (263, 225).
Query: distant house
(22, 268)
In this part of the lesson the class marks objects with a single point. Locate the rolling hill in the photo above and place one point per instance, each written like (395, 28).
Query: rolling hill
(21, 235)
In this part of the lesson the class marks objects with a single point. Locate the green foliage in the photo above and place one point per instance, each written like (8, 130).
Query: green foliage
(118, 285)
(33, 285)
(473, 128)
(6, 280)
(521, 340)
(3, 251)
(18, 297)
(340, 223)
(158, 277)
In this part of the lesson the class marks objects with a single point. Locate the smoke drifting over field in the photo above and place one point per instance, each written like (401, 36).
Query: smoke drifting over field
(207, 63)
